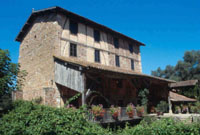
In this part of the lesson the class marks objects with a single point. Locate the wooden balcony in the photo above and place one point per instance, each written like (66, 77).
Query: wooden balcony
(107, 118)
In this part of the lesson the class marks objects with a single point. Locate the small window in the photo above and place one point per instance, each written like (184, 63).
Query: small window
(73, 27)
(97, 56)
(96, 35)
(132, 64)
(117, 61)
(131, 48)
(73, 51)
(116, 42)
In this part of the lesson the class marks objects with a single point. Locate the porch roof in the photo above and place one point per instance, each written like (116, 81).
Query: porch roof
(180, 98)
(183, 84)
(89, 65)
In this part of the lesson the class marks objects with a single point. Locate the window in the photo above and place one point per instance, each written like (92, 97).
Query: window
(132, 64)
(131, 48)
(97, 56)
(117, 61)
(73, 27)
(73, 50)
(96, 35)
(116, 42)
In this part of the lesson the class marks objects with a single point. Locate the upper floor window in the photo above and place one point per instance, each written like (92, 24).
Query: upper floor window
(116, 42)
(73, 27)
(97, 56)
(117, 61)
(131, 48)
(73, 50)
(132, 64)
(96, 35)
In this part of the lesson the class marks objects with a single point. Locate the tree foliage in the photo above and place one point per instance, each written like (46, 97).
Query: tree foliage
(143, 98)
(8, 76)
(186, 69)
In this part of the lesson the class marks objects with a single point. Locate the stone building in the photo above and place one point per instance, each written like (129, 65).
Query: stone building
(65, 54)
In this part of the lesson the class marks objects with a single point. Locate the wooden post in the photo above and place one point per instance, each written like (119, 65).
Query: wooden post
(170, 105)
(84, 89)
(83, 98)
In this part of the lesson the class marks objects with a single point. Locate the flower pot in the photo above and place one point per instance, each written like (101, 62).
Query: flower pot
(130, 114)
(98, 115)
(159, 113)
(115, 115)
(140, 114)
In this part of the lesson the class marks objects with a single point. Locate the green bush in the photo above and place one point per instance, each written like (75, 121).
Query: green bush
(27, 118)
(162, 127)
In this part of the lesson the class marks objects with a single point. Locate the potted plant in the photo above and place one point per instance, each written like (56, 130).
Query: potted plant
(184, 109)
(114, 111)
(140, 111)
(130, 110)
(98, 111)
(153, 109)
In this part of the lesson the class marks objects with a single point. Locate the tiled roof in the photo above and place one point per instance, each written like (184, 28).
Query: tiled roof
(183, 84)
(180, 98)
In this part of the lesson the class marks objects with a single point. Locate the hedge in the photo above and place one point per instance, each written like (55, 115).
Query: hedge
(165, 126)
(27, 118)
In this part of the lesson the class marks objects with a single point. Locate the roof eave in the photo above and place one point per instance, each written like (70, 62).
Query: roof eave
(120, 71)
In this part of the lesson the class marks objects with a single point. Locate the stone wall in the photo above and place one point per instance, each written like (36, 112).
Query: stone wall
(52, 97)
(17, 95)
(36, 56)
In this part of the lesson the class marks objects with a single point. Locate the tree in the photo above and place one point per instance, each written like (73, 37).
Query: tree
(8, 77)
(186, 69)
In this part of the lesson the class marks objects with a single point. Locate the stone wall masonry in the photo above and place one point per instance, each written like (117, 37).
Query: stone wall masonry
(36, 55)
(17, 95)
(51, 97)
(82, 53)
(112, 60)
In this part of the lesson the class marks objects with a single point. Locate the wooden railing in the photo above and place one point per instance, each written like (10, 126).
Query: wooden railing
(107, 118)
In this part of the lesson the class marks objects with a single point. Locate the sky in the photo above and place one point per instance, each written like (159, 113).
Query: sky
(167, 27)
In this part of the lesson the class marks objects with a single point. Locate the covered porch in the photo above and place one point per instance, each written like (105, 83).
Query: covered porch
(108, 86)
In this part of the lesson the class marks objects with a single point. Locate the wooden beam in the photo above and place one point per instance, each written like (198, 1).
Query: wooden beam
(92, 78)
